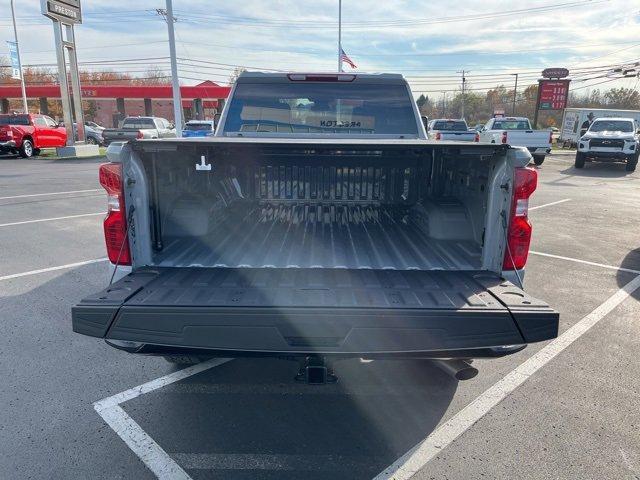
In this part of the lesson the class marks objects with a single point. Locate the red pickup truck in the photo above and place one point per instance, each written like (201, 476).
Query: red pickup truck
(26, 134)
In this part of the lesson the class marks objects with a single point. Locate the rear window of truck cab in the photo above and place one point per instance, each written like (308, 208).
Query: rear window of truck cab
(14, 120)
(321, 108)
(450, 126)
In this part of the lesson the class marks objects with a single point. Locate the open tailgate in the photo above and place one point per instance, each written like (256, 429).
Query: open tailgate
(337, 311)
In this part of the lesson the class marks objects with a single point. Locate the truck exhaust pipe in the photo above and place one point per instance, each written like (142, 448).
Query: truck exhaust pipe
(458, 369)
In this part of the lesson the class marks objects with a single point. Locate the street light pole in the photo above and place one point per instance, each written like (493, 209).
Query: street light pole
(515, 93)
(464, 81)
(15, 34)
(177, 99)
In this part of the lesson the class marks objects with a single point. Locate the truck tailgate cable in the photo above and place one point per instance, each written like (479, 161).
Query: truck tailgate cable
(126, 236)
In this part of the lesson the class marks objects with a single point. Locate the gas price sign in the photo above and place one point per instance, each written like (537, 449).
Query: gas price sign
(553, 94)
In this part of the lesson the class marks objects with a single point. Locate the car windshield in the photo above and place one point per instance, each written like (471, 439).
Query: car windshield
(198, 127)
(612, 126)
(14, 120)
(138, 123)
(512, 125)
(450, 125)
(324, 108)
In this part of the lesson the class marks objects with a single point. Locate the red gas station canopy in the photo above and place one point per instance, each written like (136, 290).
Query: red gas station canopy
(205, 90)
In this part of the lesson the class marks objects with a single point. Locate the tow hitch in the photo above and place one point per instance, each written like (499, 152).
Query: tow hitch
(316, 371)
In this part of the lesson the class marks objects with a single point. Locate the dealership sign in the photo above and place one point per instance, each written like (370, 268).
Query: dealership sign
(65, 11)
(555, 73)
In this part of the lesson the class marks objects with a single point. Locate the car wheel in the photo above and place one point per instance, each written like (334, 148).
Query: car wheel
(631, 164)
(579, 160)
(538, 159)
(91, 141)
(185, 359)
(26, 150)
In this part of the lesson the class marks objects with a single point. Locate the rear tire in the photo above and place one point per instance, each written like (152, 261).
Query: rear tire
(538, 159)
(26, 150)
(92, 141)
(579, 163)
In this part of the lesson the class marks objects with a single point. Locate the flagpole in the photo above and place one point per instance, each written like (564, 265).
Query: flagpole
(339, 35)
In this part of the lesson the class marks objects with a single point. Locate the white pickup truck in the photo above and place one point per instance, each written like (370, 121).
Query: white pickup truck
(446, 129)
(318, 222)
(612, 140)
(517, 131)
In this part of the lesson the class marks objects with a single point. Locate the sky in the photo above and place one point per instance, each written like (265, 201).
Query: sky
(429, 42)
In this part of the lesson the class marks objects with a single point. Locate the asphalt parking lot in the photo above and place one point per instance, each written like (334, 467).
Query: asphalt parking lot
(568, 409)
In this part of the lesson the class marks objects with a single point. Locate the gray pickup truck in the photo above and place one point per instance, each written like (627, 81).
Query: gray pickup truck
(139, 128)
(446, 129)
(318, 222)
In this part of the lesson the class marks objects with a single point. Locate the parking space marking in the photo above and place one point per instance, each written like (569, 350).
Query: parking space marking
(144, 447)
(416, 458)
(549, 204)
(585, 262)
(51, 219)
(53, 269)
(52, 193)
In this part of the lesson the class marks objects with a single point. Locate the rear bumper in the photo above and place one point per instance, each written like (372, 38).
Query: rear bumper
(246, 312)
(7, 146)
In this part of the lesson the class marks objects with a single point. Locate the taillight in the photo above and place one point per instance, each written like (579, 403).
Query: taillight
(115, 223)
(477, 138)
(504, 137)
(525, 181)
(140, 135)
(438, 136)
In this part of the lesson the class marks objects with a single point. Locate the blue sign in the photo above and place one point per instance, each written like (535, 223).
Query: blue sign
(15, 63)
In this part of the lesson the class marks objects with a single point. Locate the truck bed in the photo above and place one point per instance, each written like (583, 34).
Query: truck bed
(321, 236)
(329, 311)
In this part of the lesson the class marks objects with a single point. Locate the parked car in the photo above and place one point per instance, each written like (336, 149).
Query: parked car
(27, 134)
(446, 129)
(610, 140)
(92, 136)
(329, 230)
(139, 128)
(198, 128)
(94, 125)
(517, 131)
(574, 118)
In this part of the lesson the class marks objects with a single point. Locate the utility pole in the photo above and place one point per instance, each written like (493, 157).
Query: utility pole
(339, 36)
(464, 81)
(15, 35)
(515, 93)
(177, 99)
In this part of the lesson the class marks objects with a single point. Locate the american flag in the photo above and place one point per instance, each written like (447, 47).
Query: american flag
(344, 58)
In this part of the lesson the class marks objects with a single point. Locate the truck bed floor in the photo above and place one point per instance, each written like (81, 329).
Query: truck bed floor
(320, 236)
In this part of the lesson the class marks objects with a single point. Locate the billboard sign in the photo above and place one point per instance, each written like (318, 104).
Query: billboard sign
(15, 63)
(553, 94)
(555, 73)
(65, 11)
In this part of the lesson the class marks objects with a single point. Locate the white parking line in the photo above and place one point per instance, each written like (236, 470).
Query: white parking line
(585, 262)
(145, 448)
(52, 193)
(550, 204)
(53, 269)
(51, 219)
(416, 458)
